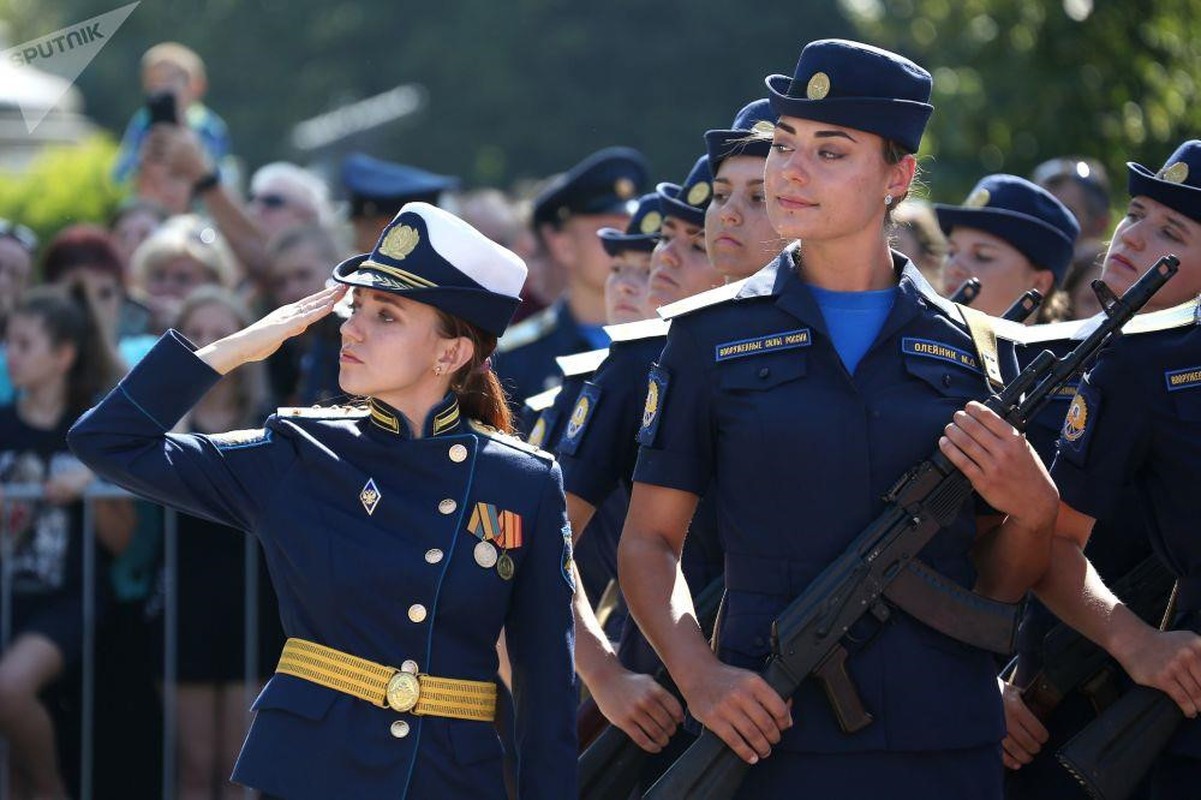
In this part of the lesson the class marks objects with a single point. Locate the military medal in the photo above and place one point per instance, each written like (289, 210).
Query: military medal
(485, 555)
(504, 567)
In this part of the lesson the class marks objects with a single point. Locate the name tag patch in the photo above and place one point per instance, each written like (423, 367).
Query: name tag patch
(785, 340)
(928, 348)
(1188, 378)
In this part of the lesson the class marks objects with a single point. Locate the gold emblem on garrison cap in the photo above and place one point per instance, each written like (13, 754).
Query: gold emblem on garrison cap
(651, 222)
(763, 126)
(1077, 419)
(625, 188)
(400, 242)
(403, 691)
(1174, 173)
(370, 496)
(699, 193)
(978, 199)
(819, 86)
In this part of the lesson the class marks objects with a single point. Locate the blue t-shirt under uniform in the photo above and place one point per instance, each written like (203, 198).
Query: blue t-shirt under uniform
(853, 319)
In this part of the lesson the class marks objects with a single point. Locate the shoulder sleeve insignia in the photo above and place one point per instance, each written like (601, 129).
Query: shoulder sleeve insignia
(568, 559)
(1079, 423)
(652, 412)
(581, 415)
(234, 440)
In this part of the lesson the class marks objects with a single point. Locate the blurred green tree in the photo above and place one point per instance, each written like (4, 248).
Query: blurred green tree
(1020, 81)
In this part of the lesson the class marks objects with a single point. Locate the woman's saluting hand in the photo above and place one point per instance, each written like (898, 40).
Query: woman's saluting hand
(261, 339)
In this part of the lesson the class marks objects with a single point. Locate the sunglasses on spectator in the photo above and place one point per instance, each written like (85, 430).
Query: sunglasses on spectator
(21, 234)
(273, 201)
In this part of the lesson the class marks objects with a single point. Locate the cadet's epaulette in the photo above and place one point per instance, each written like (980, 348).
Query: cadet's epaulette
(642, 329)
(511, 441)
(703, 300)
(530, 329)
(581, 363)
(1182, 316)
(543, 400)
(322, 412)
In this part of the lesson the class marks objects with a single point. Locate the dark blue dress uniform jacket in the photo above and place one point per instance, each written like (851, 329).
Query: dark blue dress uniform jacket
(397, 584)
(751, 394)
(1138, 420)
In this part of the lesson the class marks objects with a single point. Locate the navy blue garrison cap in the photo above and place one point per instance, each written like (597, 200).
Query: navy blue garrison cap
(689, 200)
(1022, 213)
(748, 135)
(603, 183)
(856, 86)
(431, 256)
(380, 188)
(1177, 185)
(641, 234)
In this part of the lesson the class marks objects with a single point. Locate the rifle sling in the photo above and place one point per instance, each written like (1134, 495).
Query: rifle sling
(948, 608)
(984, 337)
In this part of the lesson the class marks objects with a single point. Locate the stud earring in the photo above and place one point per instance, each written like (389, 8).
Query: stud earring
(438, 369)
(887, 199)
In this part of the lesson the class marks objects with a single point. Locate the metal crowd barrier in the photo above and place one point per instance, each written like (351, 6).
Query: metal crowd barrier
(32, 492)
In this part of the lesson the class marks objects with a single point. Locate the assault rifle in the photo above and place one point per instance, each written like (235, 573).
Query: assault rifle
(967, 292)
(807, 636)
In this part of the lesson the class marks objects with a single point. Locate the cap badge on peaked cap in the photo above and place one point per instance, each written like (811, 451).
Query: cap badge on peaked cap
(400, 242)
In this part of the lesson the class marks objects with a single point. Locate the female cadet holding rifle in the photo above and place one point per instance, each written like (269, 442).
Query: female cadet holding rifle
(400, 536)
(802, 396)
(599, 457)
(1136, 419)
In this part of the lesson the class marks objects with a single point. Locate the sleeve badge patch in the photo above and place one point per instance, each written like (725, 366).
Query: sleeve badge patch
(581, 415)
(652, 412)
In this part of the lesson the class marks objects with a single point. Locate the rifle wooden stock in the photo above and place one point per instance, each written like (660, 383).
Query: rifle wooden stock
(1113, 753)
(924, 500)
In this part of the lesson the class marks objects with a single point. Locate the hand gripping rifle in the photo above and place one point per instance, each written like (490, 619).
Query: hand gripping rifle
(611, 766)
(1113, 752)
(806, 637)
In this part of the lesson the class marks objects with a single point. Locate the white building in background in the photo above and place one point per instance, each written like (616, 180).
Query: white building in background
(28, 92)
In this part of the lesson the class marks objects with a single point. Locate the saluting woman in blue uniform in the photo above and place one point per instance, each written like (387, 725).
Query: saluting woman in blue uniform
(1136, 420)
(401, 536)
(801, 395)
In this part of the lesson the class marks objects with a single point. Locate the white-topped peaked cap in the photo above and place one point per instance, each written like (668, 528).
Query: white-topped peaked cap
(431, 256)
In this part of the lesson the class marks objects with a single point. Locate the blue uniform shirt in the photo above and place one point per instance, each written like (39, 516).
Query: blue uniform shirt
(388, 576)
(1137, 419)
(751, 394)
